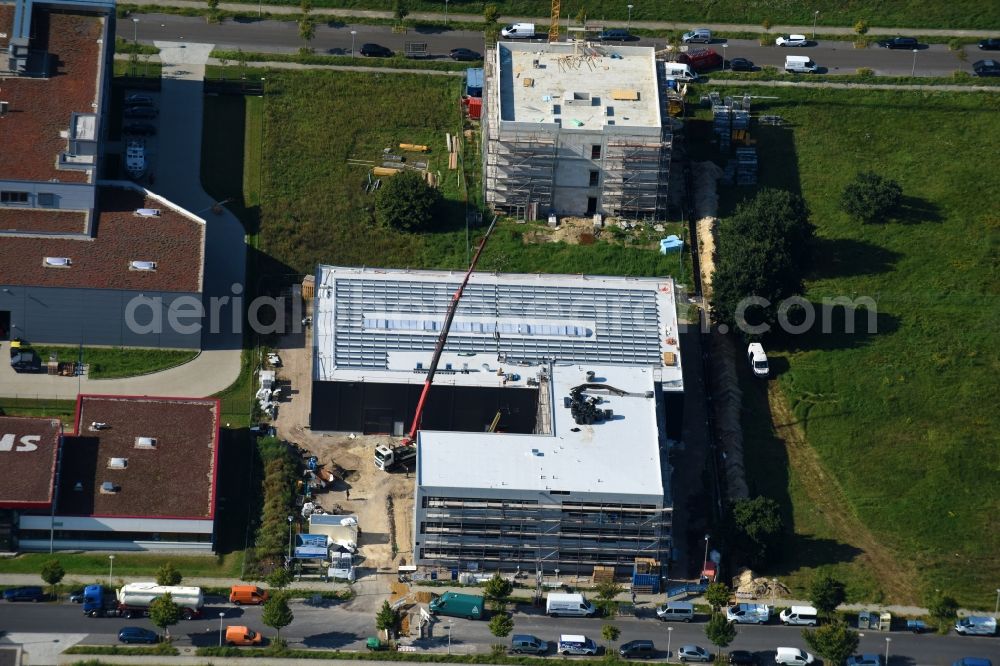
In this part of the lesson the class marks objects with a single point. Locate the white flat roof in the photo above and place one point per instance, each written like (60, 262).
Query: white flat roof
(616, 456)
(579, 80)
(381, 325)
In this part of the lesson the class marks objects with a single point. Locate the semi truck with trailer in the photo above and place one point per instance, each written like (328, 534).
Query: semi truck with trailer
(133, 600)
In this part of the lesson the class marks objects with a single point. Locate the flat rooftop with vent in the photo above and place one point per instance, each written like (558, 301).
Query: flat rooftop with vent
(583, 86)
(139, 473)
(29, 449)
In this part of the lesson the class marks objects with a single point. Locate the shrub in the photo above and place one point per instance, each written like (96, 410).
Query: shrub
(407, 203)
(866, 72)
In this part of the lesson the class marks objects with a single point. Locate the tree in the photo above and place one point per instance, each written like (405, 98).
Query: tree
(406, 202)
(942, 607)
(498, 590)
(861, 27)
(607, 591)
(491, 14)
(307, 28)
(168, 575)
(581, 16)
(52, 573)
(758, 527)
(386, 619)
(213, 5)
(501, 624)
(610, 633)
(717, 595)
(164, 612)
(279, 578)
(399, 10)
(763, 252)
(835, 642)
(277, 614)
(720, 631)
(305, 6)
(871, 197)
(826, 593)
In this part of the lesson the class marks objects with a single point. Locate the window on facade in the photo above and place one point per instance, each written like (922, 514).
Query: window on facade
(595, 177)
(7, 196)
(46, 199)
(595, 152)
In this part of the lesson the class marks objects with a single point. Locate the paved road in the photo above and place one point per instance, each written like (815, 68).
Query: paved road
(282, 37)
(340, 627)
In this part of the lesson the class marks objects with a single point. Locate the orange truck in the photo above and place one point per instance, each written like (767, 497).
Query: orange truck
(247, 594)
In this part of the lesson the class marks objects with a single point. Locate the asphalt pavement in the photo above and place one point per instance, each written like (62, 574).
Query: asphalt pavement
(338, 627)
(832, 56)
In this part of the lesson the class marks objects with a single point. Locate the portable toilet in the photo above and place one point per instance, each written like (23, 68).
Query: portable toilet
(474, 82)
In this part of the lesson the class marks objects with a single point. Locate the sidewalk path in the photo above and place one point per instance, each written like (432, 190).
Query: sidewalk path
(272, 64)
(250, 8)
(851, 86)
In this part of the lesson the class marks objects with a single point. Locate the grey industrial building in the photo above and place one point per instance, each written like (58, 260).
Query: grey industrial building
(575, 129)
(82, 260)
(543, 442)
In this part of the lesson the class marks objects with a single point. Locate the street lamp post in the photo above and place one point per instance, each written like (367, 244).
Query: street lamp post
(704, 564)
(353, 33)
(290, 519)
(111, 566)
(815, 16)
(774, 589)
(997, 609)
(913, 70)
(446, 12)
(887, 641)
(725, 58)
(135, 31)
(629, 24)
(449, 639)
(670, 634)
(221, 615)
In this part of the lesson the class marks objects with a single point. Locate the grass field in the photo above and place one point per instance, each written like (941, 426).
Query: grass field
(26, 405)
(115, 362)
(889, 13)
(96, 565)
(902, 418)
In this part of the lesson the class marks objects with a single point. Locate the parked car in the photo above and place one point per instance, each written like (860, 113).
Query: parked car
(76, 596)
(617, 35)
(375, 51)
(137, 635)
(703, 35)
(526, 643)
(973, 661)
(991, 44)
(24, 594)
(237, 635)
(465, 54)
(140, 112)
(741, 65)
(576, 644)
(742, 658)
(139, 100)
(641, 648)
(791, 40)
(865, 660)
(788, 656)
(139, 129)
(986, 68)
(693, 653)
(676, 611)
(899, 43)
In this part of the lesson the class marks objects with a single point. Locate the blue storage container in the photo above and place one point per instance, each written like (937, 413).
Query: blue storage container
(647, 580)
(474, 82)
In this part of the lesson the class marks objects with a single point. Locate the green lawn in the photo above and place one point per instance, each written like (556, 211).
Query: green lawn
(81, 565)
(890, 13)
(65, 410)
(116, 362)
(904, 418)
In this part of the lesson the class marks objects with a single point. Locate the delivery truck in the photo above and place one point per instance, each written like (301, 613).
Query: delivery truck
(568, 605)
(133, 600)
(454, 604)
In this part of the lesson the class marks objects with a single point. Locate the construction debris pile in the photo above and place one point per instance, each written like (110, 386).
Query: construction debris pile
(746, 586)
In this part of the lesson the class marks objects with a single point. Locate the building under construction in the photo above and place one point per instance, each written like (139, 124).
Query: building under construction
(575, 129)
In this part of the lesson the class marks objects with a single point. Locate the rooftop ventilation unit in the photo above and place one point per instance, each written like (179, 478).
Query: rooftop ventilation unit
(117, 463)
(142, 266)
(147, 212)
(110, 488)
(58, 262)
(78, 487)
(145, 442)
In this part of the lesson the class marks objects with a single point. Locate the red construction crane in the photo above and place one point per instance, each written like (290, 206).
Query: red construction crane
(387, 457)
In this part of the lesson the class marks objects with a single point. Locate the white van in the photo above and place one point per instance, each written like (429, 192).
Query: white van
(568, 604)
(676, 611)
(788, 656)
(758, 359)
(519, 31)
(799, 615)
(680, 71)
(800, 64)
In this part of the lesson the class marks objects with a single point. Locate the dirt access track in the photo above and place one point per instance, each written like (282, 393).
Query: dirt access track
(363, 490)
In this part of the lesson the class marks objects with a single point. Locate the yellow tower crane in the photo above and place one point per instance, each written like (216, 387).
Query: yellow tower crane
(554, 21)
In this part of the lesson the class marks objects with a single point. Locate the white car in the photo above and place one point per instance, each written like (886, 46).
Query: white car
(792, 40)
(758, 360)
(274, 359)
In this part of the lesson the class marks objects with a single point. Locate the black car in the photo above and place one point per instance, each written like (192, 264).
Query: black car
(642, 649)
(741, 65)
(991, 44)
(465, 54)
(137, 635)
(742, 658)
(26, 361)
(617, 35)
(986, 68)
(139, 129)
(899, 43)
(76, 596)
(376, 51)
(140, 112)
(139, 100)
(24, 594)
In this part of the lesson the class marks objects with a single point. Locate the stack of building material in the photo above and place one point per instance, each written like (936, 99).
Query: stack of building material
(746, 166)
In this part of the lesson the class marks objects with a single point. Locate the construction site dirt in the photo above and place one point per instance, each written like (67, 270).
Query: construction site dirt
(360, 488)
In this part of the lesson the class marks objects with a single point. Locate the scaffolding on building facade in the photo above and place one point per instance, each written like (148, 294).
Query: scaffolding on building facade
(636, 173)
